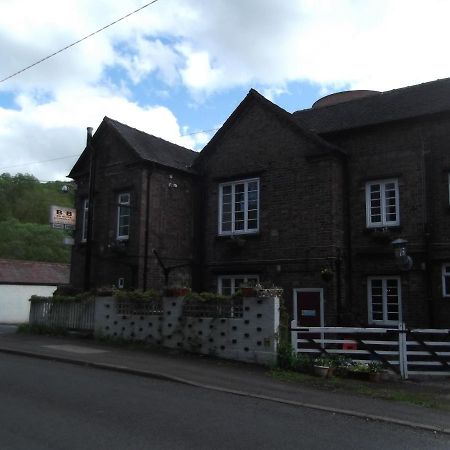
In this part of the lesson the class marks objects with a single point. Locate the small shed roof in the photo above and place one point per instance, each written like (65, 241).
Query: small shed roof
(33, 272)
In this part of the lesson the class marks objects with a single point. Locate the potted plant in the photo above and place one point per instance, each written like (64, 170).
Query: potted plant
(375, 370)
(322, 366)
(326, 274)
(177, 291)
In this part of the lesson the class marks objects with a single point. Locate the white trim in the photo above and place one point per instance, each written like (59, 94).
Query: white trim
(384, 222)
(233, 277)
(385, 320)
(445, 273)
(294, 300)
(233, 184)
(123, 204)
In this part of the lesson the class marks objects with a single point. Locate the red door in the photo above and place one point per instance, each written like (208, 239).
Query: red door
(307, 307)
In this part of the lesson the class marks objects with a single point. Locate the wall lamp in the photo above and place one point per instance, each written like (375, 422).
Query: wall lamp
(404, 261)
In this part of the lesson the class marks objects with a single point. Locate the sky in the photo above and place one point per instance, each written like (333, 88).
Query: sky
(178, 68)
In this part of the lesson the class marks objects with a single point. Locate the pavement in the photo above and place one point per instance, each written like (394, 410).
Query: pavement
(231, 377)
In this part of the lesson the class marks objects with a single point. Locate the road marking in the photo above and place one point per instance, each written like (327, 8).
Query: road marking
(76, 349)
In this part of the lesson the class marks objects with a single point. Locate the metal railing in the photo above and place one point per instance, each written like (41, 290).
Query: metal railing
(76, 315)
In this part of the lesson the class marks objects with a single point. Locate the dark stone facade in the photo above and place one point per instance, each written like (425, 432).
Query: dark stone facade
(312, 204)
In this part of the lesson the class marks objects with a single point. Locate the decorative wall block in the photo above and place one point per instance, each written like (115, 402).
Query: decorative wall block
(250, 338)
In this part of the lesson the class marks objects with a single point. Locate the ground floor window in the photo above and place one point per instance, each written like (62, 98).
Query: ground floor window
(229, 284)
(384, 300)
(446, 280)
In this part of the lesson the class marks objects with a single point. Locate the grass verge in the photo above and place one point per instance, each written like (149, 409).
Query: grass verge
(403, 391)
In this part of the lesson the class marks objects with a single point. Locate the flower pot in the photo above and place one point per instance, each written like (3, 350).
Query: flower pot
(359, 375)
(177, 292)
(375, 377)
(248, 292)
(322, 371)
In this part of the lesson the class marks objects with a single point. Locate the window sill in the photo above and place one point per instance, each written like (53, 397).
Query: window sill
(237, 236)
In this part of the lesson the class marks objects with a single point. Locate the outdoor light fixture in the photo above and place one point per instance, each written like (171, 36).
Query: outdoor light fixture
(404, 261)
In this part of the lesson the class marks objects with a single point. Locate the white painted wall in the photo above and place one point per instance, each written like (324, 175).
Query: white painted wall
(14, 304)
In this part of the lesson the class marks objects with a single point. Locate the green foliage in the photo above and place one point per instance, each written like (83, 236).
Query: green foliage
(41, 329)
(25, 198)
(32, 241)
(205, 297)
(137, 296)
(24, 214)
(59, 298)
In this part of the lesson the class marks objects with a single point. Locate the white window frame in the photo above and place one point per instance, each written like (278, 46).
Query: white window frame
(385, 320)
(233, 184)
(233, 279)
(84, 218)
(445, 274)
(123, 205)
(383, 222)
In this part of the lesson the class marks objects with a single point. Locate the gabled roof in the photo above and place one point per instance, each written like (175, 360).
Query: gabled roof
(146, 147)
(399, 104)
(33, 272)
(323, 146)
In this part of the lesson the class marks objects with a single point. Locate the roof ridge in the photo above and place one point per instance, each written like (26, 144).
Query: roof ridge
(114, 121)
(369, 98)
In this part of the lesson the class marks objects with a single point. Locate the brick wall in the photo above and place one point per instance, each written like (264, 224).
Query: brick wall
(301, 216)
(169, 227)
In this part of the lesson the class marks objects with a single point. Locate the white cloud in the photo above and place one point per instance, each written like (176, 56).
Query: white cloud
(203, 47)
(58, 128)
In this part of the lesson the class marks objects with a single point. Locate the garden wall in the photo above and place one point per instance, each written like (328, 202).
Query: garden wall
(249, 333)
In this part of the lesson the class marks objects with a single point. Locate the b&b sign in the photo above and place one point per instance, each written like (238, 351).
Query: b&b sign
(62, 217)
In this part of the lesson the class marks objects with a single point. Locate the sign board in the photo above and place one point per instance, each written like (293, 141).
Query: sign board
(62, 217)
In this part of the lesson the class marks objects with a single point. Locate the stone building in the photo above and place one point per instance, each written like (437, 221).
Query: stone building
(309, 201)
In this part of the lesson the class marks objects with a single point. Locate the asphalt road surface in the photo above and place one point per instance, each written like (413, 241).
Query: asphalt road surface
(52, 405)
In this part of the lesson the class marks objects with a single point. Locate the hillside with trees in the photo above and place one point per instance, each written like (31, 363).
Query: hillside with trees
(24, 216)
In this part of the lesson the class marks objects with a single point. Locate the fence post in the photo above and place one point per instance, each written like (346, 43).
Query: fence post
(294, 336)
(402, 350)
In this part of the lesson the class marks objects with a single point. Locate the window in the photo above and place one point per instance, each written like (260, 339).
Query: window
(84, 224)
(384, 300)
(239, 207)
(229, 284)
(123, 216)
(382, 203)
(446, 280)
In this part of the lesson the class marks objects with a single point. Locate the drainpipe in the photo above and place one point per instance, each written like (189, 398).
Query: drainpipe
(90, 218)
(348, 236)
(146, 231)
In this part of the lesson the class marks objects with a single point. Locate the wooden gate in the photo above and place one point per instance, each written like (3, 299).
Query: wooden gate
(406, 351)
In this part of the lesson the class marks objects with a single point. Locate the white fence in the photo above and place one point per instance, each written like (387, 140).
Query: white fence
(406, 351)
(77, 315)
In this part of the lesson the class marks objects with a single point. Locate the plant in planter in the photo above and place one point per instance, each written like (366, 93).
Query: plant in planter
(375, 370)
(322, 366)
(326, 274)
(177, 291)
(340, 364)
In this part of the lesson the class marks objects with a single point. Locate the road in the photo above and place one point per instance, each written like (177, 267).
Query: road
(51, 405)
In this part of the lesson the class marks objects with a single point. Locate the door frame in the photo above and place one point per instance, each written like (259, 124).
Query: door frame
(294, 300)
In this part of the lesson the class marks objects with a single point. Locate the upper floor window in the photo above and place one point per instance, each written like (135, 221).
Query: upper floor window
(239, 207)
(229, 284)
(384, 300)
(123, 216)
(446, 280)
(84, 224)
(382, 203)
